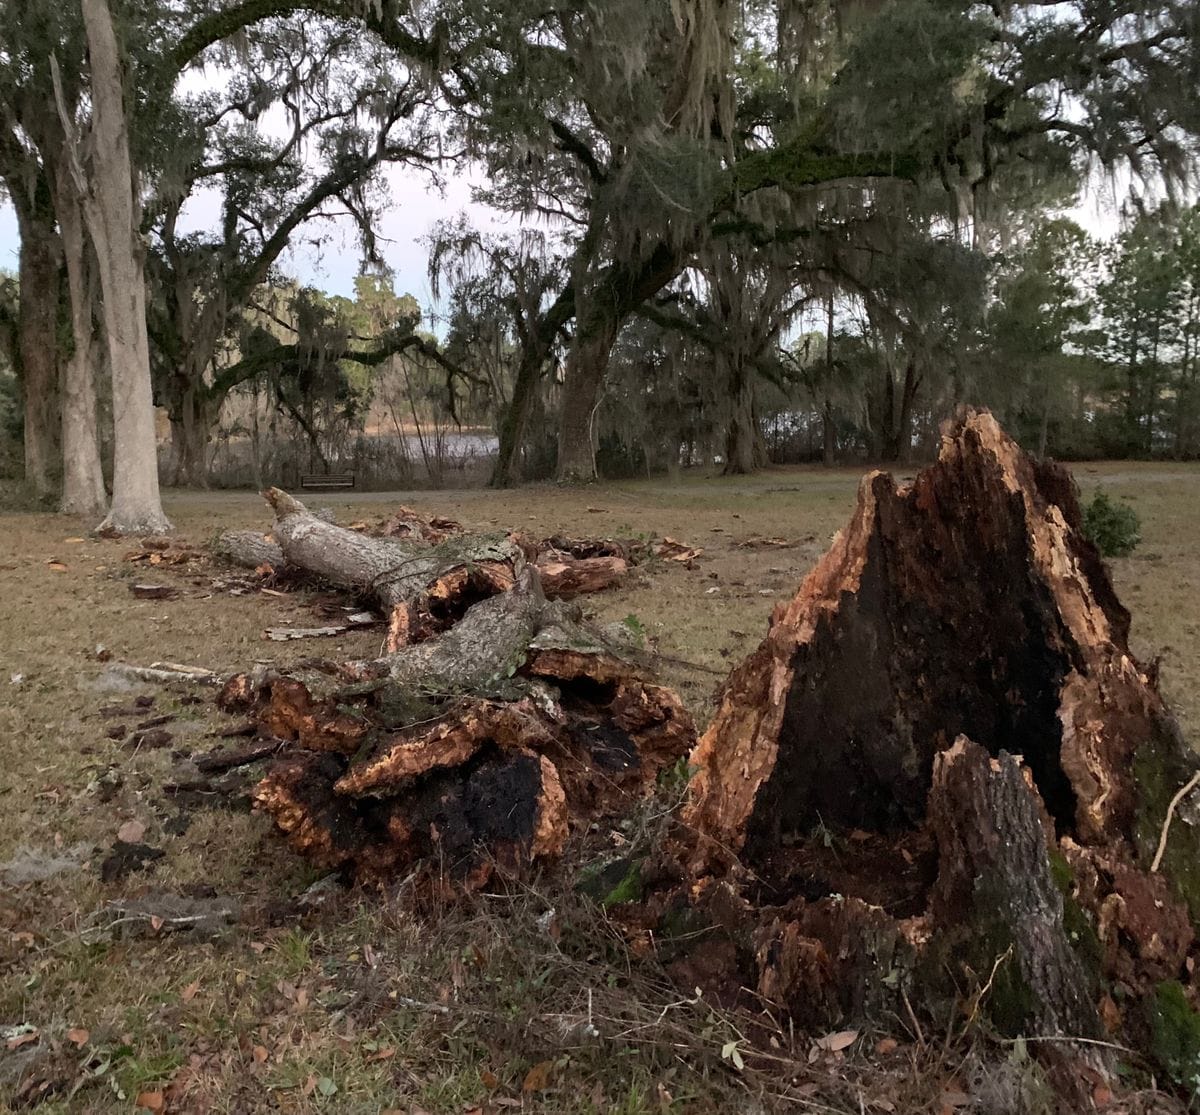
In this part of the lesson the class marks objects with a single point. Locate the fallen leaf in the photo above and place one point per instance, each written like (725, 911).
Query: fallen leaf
(384, 1054)
(885, 1046)
(78, 1036)
(151, 1101)
(260, 1054)
(537, 1079)
(18, 1040)
(489, 1079)
(1102, 1095)
(1110, 1014)
(835, 1043)
(190, 992)
(131, 832)
(327, 1086)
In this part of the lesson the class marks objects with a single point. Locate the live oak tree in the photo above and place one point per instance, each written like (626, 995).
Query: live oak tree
(349, 110)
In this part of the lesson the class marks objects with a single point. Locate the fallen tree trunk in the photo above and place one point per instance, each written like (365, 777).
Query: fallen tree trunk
(943, 776)
(423, 588)
(423, 574)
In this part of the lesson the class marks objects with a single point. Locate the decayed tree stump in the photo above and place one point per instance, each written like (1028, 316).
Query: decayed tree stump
(944, 775)
(483, 745)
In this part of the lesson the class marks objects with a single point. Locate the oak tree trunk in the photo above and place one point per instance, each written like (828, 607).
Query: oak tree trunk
(744, 451)
(587, 363)
(83, 476)
(113, 218)
(37, 339)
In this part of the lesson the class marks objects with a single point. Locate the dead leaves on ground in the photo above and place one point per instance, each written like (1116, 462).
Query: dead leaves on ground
(671, 549)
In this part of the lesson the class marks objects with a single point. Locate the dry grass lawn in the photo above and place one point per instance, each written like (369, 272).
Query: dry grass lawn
(360, 1004)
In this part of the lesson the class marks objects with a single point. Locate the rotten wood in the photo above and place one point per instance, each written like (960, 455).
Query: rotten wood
(482, 746)
(944, 766)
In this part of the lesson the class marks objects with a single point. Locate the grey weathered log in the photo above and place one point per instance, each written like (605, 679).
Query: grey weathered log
(998, 909)
(485, 647)
(250, 548)
(389, 572)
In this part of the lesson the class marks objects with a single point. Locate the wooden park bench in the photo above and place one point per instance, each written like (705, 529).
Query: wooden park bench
(334, 481)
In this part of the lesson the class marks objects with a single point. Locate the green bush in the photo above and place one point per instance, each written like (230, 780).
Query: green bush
(1114, 528)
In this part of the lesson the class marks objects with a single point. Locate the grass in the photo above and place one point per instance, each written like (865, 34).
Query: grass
(526, 998)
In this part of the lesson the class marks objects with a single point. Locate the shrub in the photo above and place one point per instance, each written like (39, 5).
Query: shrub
(1114, 528)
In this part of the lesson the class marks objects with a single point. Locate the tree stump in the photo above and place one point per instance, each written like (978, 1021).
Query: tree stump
(943, 775)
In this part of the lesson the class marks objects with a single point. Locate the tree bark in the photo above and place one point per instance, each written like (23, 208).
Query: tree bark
(587, 364)
(112, 212)
(744, 452)
(613, 296)
(536, 348)
(83, 475)
(828, 436)
(37, 339)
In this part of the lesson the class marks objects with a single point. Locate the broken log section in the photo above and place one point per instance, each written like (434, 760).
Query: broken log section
(422, 573)
(484, 745)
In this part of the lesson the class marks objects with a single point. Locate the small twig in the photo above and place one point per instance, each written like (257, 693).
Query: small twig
(983, 991)
(165, 672)
(1162, 840)
(912, 1017)
(1071, 1040)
